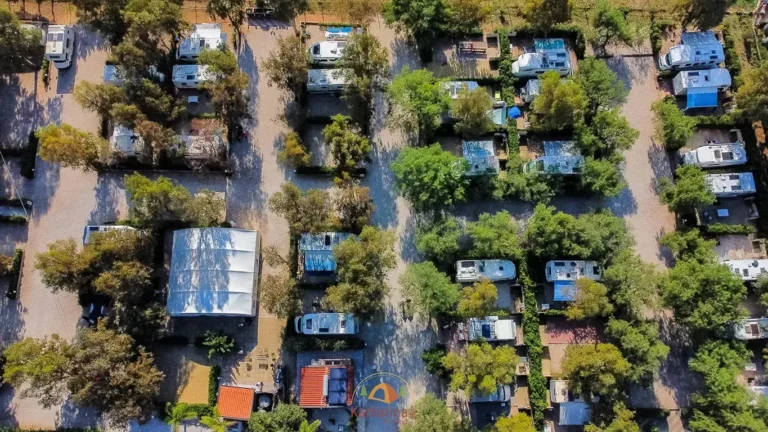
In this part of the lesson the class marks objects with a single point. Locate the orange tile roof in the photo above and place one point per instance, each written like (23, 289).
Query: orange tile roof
(236, 402)
(311, 387)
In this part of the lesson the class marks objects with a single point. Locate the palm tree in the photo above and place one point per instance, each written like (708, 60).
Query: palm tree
(216, 423)
(178, 415)
(307, 427)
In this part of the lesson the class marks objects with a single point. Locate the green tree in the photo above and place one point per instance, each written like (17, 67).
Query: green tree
(361, 11)
(158, 137)
(230, 10)
(603, 234)
(286, 67)
(633, 285)
(544, 14)
(430, 290)
(478, 300)
(430, 414)
(689, 245)
(218, 343)
(623, 421)
(433, 360)
(154, 26)
(365, 67)
(470, 111)
(294, 153)
(280, 296)
(355, 207)
(439, 241)
(421, 19)
(205, 209)
(610, 26)
(306, 212)
(153, 101)
(41, 363)
(481, 368)
(229, 98)
(705, 297)
(705, 14)
(689, 191)
(609, 133)
(752, 97)
(550, 234)
(590, 299)
(495, 236)
(597, 369)
(126, 114)
(639, 343)
(20, 48)
(602, 177)
(560, 104)
(528, 186)
(430, 177)
(464, 16)
(155, 202)
(73, 148)
(126, 283)
(284, 418)
(287, 10)
(215, 422)
(305, 426)
(362, 266)
(62, 268)
(106, 16)
(349, 147)
(219, 61)
(601, 85)
(418, 99)
(98, 98)
(672, 126)
(179, 413)
(520, 422)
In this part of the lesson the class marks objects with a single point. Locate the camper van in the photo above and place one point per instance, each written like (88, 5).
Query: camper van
(716, 155)
(549, 55)
(325, 81)
(204, 36)
(326, 324)
(190, 76)
(327, 51)
(701, 81)
(698, 50)
(490, 328)
(502, 394)
(59, 46)
(748, 269)
(494, 270)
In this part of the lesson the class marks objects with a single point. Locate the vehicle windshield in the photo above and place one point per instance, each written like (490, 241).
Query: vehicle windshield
(668, 59)
(55, 37)
(316, 49)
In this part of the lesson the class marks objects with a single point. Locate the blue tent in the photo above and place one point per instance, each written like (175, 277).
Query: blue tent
(564, 290)
(514, 112)
(702, 99)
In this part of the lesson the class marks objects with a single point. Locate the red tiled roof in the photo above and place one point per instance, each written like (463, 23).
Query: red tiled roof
(311, 387)
(235, 402)
(562, 331)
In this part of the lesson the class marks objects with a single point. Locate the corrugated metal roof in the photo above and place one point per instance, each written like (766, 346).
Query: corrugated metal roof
(235, 402)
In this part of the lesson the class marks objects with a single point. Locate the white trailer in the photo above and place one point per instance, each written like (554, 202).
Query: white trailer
(702, 81)
(698, 50)
(475, 270)
(731, 185)
(716, 155)
(191, 76)
(326, 81)
(59, 45)
(204, 36)
(327, 51)
(549, 55)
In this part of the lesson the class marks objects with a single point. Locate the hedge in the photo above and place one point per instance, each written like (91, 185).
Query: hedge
(13, 219)
(311, 343)
(14, 274)
(537, 384)
(213, 385)
(324, 170)
(725, 229)
(732, 59)
(29, 158)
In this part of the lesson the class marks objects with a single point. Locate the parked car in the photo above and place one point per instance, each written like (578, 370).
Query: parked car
(326, 324)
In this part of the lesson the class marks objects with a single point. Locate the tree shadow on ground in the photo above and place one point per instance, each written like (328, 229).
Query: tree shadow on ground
(110, 190)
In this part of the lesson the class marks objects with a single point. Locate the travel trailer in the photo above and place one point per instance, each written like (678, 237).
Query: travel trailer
(716, 155)
(204, 36)
(698, 50)
(190, 76)
(474, 270)
(325, 81)
(560, 158)
(731, 184)
(327, 51)
(701, 81)
(549, 55)
(59, 45)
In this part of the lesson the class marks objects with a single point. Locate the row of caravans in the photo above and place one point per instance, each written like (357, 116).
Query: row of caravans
(328, 52)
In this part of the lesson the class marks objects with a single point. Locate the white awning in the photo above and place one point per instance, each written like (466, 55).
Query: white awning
(213, 272)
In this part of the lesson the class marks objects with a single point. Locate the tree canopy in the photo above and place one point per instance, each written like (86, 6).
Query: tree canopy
(520, 422)
(470, 111)
(672, 126)
(306, 212)
(590, 299)
(544, 14)
(355, 208)
(287, 65)
(418, 100)
(560, 105)
(72, 147)
(608, 134)
(430, 414)
(439, 241)
(597, 369)
(752, 96)
(639, 343)
(464, 16)
(495, 237)
(284, 418)
(481, 368)
(162, 200)
(601, 85)
(430, 290)
(633, 285)
(603, 176)
(610, 26)
(365, 67)
(690, 191)
(420, 19)
(21, 49)
(106, 16)
(689, 245)
(623, 421)
(478, 300)
(349, 147)
(430, 177)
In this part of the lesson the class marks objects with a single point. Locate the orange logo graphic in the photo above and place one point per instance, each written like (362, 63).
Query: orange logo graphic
(390, 395)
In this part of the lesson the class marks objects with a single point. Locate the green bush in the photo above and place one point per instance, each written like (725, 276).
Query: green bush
(213, 385)
(433, 360)
(725, 229)
(674, 127)
(537, 384)
(657, 37)
(311, 343)
(46, 70)
(732, 60)
(14, 274)
(513, 137)
(30, 157)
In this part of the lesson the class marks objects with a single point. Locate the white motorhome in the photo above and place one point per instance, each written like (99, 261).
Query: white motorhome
(748, 269)
(327, 51)
(530, 91)
(191, 76)
(474, 270)
(716, 155)
(454, 87)
(204, 36)
(59, 45)
(115, 75)
(698, 50)
(702, 81)
(560, 158)
(731, 184)
(326, 81)
(326, 324)
(126, 141)
(572, 270)
(90, 229)
(750, 329)
(549, 55)
(490, 328)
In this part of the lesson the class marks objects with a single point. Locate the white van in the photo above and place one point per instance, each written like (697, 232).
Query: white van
(327, 51)
(59, 46)
(326, 81)
(326, 324)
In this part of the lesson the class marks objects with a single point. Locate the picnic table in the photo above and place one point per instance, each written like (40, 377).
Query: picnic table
(472, 47)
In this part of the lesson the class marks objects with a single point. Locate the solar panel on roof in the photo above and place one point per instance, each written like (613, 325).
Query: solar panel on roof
(339, 373)
(337, 398)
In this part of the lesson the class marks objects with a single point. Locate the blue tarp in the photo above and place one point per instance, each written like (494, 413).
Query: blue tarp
(549, 44)
(514, 112)
(319, 261)
(340, 30)
(564, 290)
(702, 100)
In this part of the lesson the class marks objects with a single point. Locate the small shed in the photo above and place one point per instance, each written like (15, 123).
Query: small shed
(481, 157)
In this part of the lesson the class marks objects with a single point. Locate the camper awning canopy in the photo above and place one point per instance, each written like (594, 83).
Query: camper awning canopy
(213, 272)
(564, 290)
(702, 99)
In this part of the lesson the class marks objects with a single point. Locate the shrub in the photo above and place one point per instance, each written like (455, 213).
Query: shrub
(656, 37)
(213, 385)
(674, 127)
(537, 384)
(310, 343)
(294, 153)
(30, 157)
(46, 69)
(725, 229)
(433, 360)
(14, 274)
